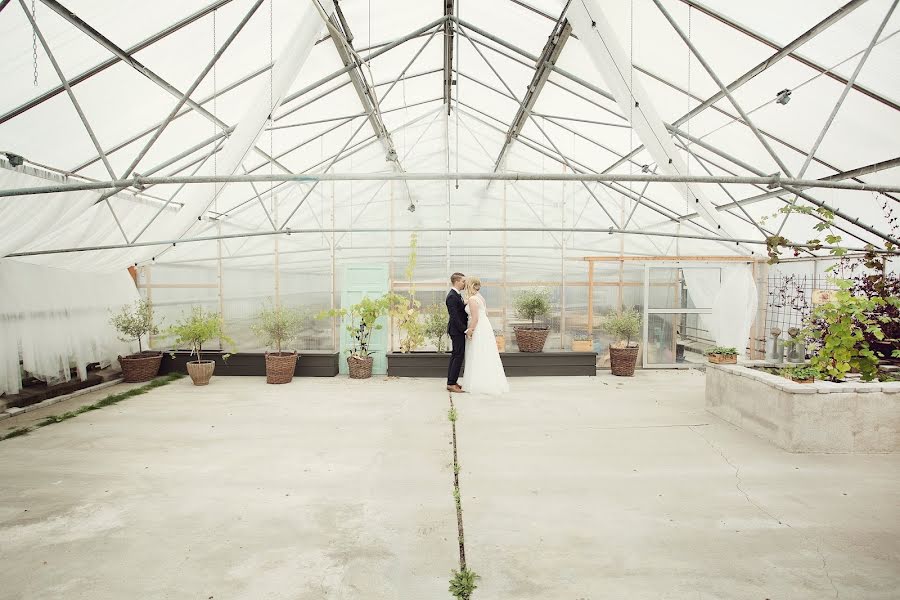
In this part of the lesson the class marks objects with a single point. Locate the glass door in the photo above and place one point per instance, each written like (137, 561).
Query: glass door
(677, 298)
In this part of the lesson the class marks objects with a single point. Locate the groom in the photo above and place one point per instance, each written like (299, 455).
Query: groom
(457, 327)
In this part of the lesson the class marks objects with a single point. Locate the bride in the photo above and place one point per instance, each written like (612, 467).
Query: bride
(483, 370)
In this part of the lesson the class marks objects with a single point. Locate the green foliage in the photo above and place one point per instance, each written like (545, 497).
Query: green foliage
(278, 325)
(840, 327)
(583, 336)
(774, 243)
(197, 329)
(800, 373)
(451, 414)
(622, 326)
(724, 351)
(462, 584)
(406, 309)
(361, 320)
(134, 322)
(435, 322)
(532, 304)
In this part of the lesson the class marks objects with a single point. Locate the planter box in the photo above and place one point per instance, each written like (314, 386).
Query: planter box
(722, 359)
(856, 418)
(310, 364)
(516, 364)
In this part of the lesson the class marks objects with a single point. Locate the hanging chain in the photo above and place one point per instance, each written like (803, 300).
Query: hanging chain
(34, 43)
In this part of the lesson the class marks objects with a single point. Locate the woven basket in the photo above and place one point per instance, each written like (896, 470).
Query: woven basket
(722, 359)
(360, 368)
(531, 340)
(201, 371)
(280, 366)
(622, 360)
(140, 367)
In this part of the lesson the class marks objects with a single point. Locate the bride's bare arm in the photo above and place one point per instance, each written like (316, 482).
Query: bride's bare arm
(473, 313)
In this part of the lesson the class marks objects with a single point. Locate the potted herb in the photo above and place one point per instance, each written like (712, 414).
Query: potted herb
(276, 326)
(435, 323)
(501, 340)
(800, 374)
(362, 321)
(133, 323)
(194, 331)
(623, 327)
(722, 355)
(532, 305)
(582, 342)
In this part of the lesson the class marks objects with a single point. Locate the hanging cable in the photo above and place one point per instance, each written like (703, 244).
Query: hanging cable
(34, 42)
(456, 6)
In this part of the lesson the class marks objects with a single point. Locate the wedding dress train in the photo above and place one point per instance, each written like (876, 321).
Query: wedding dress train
(483, 370)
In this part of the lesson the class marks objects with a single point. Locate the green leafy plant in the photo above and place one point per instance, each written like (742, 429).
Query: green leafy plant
(435, 323)
(724, 351)
(623, 326)
(800, 373)
(361, 321)
(135, 321)
(583, 336)
(406, 309)
(532, 305)
(276, 326)
(462, 584)
(838, 331)
(198, 328)
(774, 243)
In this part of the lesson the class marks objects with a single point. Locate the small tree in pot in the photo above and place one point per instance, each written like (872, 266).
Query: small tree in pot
(436, 326)
(194, 331)
(133, 322)
(623, 327)
(362, 322)
(276, 326)
(532, 305)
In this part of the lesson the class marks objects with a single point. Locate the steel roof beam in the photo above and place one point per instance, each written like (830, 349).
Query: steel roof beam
(449, 35)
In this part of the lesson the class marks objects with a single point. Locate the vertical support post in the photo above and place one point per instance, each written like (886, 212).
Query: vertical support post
(146, 270)
(391, 266)
(590, 314)
(504, 286)
(219, 277)
(334, 338)
(277, 256)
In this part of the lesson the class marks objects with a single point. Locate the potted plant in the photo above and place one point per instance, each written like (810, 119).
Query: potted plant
(531, 305)
(722, 355)
(435, 324)
(582, 342)
(362, 321)
(800, 374)
(194, 331)
(132, 323)
(501, 340)
(276, 326)
(623, 326)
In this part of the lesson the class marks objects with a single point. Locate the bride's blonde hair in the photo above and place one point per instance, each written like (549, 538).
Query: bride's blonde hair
(473, 284)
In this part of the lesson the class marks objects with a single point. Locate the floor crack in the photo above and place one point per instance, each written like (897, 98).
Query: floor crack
(837, 594)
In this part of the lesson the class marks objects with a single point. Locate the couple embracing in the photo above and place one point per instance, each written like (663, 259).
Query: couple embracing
(474, 344)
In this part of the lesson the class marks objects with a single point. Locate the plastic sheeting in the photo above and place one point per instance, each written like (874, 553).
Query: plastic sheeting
(57, 320)
(734, 302)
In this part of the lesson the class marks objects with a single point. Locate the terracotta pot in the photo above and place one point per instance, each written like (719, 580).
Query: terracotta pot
(143, 366)
(280, 366)
(531, 340)
(722, 359)
(201, 371)
(582, 346)
(360, 368)
(623, 360)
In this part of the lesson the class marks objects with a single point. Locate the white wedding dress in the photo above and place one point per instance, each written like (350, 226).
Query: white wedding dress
(483, 370)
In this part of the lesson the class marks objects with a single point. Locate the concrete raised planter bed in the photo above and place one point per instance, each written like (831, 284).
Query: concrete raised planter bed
(855, 418)
(310, 364)
(516, 364)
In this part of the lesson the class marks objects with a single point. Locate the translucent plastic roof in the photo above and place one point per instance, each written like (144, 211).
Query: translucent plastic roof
(575, 124)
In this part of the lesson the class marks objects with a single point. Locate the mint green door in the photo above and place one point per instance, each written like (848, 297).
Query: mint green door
(361, 281)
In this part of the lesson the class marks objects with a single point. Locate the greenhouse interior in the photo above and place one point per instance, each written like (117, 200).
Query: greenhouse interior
(565, 298)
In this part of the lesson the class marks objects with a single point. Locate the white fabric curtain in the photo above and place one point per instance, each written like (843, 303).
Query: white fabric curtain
(56, 320)
(732, 295)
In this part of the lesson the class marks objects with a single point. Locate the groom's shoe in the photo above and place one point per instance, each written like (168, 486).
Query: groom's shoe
(455, 389)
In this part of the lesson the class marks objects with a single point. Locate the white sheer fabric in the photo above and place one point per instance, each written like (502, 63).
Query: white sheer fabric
(732, 296)
(483, 372)
(57, 320)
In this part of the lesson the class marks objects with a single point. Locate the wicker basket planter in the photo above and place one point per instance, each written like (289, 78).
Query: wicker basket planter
(201, 371)
(623, 360)
(360, 368)
(582, 345)
(143, 366)
(501, 343)
(722, 359)
(280, 366)
(531, 340)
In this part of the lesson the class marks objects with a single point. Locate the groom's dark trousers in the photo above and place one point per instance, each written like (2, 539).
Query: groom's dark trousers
(456, 328)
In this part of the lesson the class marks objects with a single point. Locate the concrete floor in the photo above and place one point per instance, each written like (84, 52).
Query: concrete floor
(571, 488)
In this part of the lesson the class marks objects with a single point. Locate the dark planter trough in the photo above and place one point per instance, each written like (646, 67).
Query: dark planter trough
(516, 364)
(310, 364)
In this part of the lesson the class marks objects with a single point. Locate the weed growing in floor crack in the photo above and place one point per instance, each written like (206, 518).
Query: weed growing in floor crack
(456, 469)
(108, 401)
(462, 585)
(451, 414)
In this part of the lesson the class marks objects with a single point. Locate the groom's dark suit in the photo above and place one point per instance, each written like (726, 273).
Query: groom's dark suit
(456, 328)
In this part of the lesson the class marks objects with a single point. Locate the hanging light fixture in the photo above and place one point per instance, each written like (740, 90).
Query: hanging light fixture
(783, 97)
